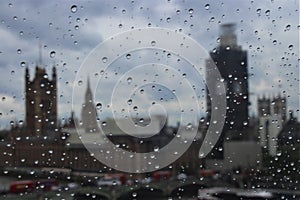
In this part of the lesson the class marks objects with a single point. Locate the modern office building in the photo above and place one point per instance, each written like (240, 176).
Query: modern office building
(231, 61)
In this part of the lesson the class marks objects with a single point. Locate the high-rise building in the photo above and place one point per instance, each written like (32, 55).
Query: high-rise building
(89, 112)
(231, 62)
(41, 103)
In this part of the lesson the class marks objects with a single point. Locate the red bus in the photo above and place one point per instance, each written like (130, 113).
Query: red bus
(22, 186)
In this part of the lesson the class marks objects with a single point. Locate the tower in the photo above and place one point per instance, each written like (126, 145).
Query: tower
(263, 106)
(41, 102)
(276, 107)
(89, 113)
(279, 106)
(272, 117)
(231, 62)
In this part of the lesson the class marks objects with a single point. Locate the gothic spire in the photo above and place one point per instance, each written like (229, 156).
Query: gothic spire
(88, 93)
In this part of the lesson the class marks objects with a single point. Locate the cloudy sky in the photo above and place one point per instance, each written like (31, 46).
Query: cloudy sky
(69, 30)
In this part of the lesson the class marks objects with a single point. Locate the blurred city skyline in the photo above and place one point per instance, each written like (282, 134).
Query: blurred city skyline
(268, 31)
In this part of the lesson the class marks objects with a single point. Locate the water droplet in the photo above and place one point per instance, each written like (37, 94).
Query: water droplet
(288, 27)
(129, 80)
(128, 56)
(98, 106)
(168, 19)
(191, 11)
(274, 42)
(189, 126)
(156, 149)
(129, 102)
(258, 11)
(15, 18)
(134, 194)
(52, 54)
(267, 13)
(104, 59)
(74, 9)
(206, 6)
(80, 83)
(291, 47)
(23, 64)
(153, 43)
(19, 51)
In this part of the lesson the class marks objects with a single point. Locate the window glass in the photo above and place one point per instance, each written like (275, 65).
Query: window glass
(149, 99)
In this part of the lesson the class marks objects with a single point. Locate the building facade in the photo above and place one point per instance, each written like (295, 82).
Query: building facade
(272, 117)
(41, 102)
(231, 62)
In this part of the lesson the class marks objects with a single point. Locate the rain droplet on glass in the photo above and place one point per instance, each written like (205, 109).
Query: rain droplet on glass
(74, 9)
